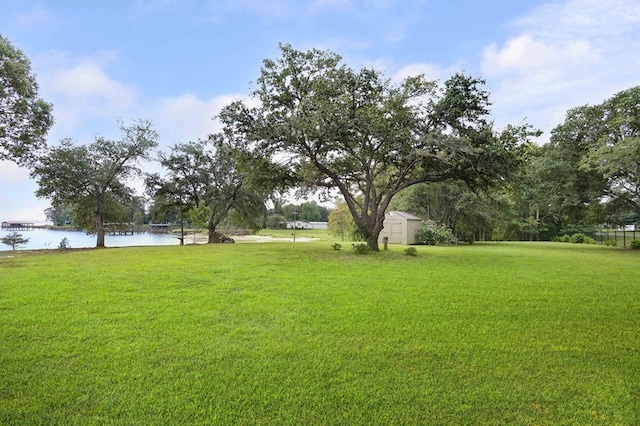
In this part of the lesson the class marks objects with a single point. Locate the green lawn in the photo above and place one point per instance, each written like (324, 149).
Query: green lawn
(282, 333)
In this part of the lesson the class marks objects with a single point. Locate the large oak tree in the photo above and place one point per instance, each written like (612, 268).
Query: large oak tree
(215, 175)
(92, 180)
(365, 136)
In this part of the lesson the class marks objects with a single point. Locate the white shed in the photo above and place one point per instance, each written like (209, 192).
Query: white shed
(401, 228)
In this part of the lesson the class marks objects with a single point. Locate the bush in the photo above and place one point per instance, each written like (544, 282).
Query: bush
(577, 238)
(411, 251)
(611, 242)
(64, 243)
(336, 246)
(361, 249)
(581, 238)
(635, 244)
(433, 232)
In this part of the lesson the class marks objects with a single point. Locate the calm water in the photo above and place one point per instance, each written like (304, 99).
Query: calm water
(49, 239)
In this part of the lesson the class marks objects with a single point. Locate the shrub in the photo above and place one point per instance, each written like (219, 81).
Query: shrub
(581, 238)
(433, 232)
(411, 251)
(361, 249)
(64, 243)
(336, 246)
(635, 244)
(565, 238)
(611, 242)
(577, 238)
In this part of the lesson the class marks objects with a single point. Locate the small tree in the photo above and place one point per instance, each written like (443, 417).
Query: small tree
(14, 240)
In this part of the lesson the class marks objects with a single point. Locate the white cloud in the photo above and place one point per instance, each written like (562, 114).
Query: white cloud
(524, 54)
(36, 16)
(189, 118)
(562, 55)
(82, 91)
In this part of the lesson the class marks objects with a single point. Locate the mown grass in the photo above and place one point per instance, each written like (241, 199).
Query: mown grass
(509, 333)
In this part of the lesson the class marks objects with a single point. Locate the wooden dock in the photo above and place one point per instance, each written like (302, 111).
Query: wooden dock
(17, 225)
(158, 228)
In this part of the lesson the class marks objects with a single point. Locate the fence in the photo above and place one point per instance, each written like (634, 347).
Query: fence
(614, 236)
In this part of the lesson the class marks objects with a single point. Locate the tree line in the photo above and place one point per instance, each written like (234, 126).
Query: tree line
(322, 128)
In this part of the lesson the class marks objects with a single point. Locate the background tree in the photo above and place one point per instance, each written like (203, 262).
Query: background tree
(198, 217)
(615, 154)
(25, 119)
(14, 239)
(573, 192)
(364, 136)
(214, 174)
(92, 179)
(59, 215)
(276, 221)
(341, 223)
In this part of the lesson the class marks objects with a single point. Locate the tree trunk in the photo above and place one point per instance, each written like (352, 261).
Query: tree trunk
(372, 241)
(99, 231)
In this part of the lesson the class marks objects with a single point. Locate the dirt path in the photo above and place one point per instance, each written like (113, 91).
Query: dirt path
(202, 239)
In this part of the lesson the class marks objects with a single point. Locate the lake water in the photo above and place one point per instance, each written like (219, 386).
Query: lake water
(50, 239)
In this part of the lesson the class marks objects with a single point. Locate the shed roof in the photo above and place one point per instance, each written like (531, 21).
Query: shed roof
(403, 215)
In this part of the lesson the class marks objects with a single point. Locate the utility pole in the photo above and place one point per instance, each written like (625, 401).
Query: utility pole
(295, 224)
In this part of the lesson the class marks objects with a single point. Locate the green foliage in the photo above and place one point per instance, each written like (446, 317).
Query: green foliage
(433, 232)
(64, 243)
(216, 174)
(362, 249)
(342, 225)
(276, 221)
(93, 179)
(59, 215)
(581, 238)
(14, 239)
(411, 251)
(366, 136)
(611, 242)
(635, 244)
(577, 238)
(336, 246)
(25, 119)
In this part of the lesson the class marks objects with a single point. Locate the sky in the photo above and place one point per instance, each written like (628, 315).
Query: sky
(178, 62)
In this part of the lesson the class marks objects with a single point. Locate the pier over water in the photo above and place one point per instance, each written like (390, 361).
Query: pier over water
(17, 225)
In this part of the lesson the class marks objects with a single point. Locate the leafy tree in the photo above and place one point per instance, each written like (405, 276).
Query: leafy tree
(615, 153)
(365, 136)
(25, 119)
(341, 223)
(14, 239)
(572, 192)
(215, 175)
(276, 221)
(92, 179)
(59, 215)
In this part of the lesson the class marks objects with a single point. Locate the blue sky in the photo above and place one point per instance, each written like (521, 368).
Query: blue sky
(177, 62)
